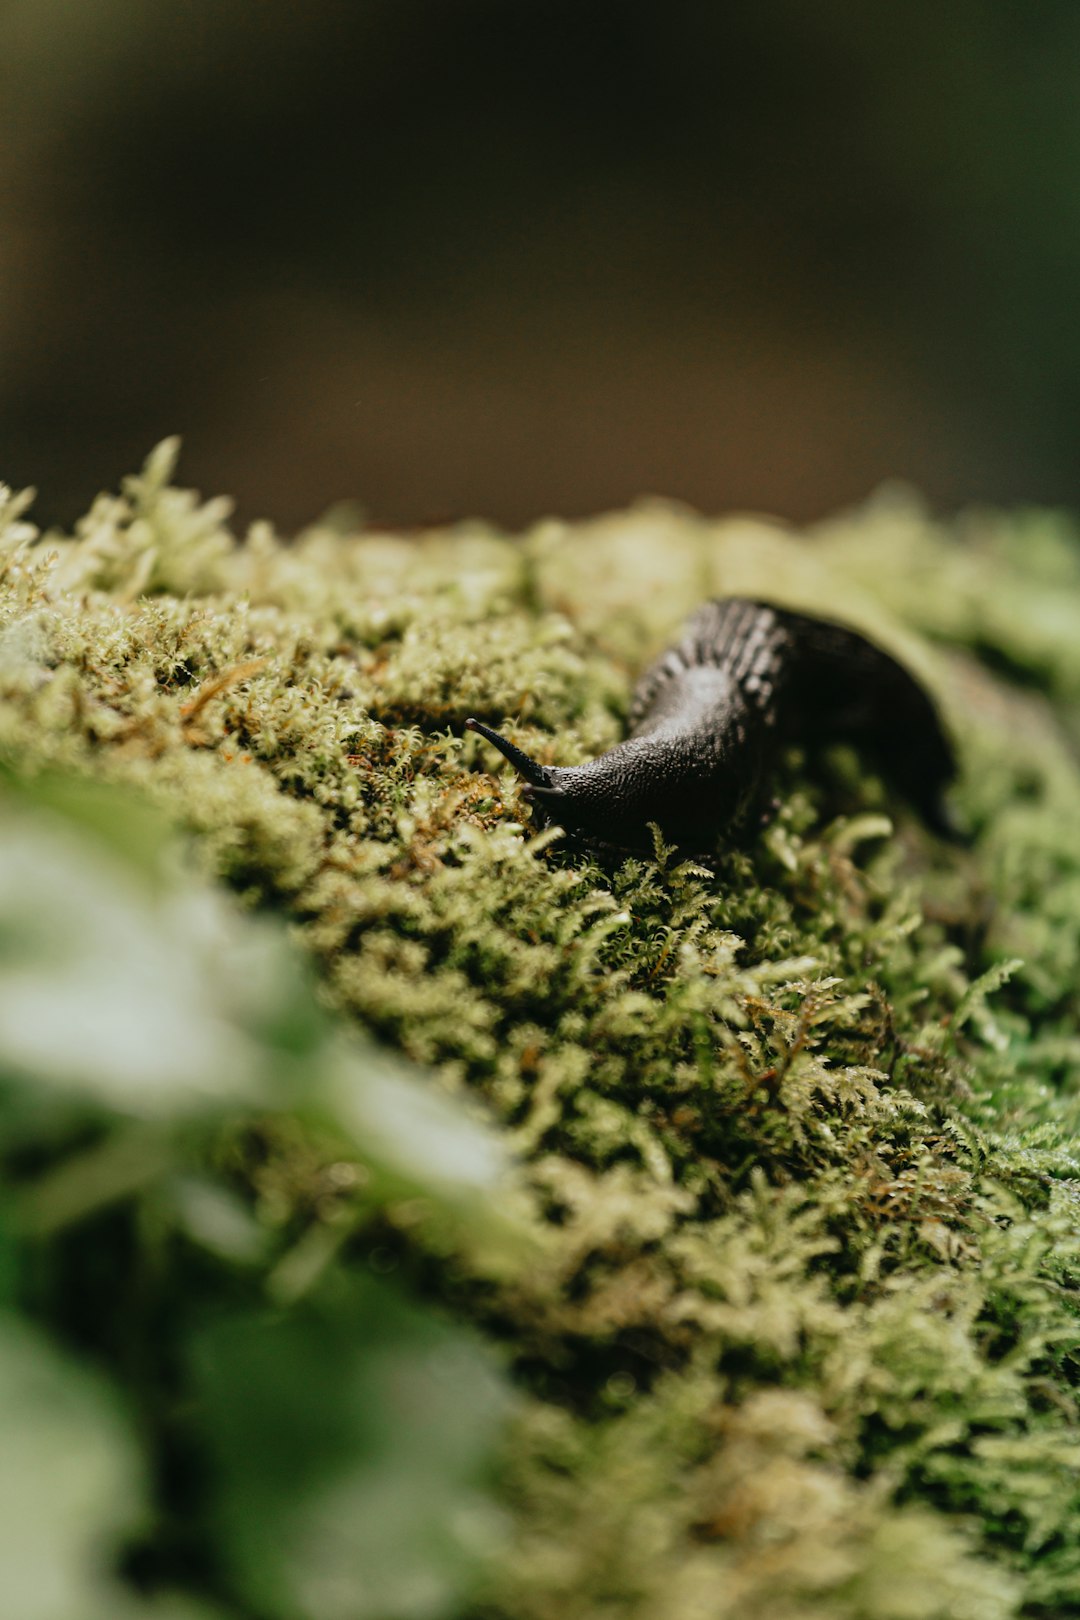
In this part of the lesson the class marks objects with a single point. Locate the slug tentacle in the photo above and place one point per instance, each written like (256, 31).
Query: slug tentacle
(708, 717)
(537, 775)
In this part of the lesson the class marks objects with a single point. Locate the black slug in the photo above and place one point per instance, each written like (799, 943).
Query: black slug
(709, 716)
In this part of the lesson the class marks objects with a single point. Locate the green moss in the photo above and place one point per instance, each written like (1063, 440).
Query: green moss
(800, 1132)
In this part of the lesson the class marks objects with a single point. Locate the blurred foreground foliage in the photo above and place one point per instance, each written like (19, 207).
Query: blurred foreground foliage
(193, 1387)
(789, 1289)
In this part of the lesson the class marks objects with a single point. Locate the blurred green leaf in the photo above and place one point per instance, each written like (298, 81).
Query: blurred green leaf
(348, 1444)
(419, 1143)
(108, 988)
(70, 1485)
(123, 824)
(217, 1219)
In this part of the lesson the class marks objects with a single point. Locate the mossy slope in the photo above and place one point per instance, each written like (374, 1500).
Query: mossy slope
(799, 1132)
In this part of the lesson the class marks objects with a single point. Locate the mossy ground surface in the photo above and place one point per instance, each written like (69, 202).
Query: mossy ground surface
(798, 1134)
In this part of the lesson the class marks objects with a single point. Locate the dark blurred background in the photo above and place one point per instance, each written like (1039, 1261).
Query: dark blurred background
(513, 257)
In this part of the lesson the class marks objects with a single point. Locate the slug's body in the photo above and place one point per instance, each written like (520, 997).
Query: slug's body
(707, 719)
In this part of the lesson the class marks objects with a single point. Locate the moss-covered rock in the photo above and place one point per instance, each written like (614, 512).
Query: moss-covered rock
(799, 1132)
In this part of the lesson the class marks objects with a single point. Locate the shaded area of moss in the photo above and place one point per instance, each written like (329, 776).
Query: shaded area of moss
(799, 1133)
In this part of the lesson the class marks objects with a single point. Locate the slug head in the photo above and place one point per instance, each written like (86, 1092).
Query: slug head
(549, 788)
(612, 799)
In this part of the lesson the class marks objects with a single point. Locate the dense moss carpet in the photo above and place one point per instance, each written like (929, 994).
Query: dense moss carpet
(799, 1336)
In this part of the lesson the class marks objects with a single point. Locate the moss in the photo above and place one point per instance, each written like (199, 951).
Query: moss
(800, 1131)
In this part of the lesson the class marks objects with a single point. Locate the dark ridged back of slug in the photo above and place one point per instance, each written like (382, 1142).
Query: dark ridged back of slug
(747, 642)
(791, 678)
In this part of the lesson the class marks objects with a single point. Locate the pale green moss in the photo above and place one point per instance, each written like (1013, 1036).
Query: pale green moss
(802, 1339)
